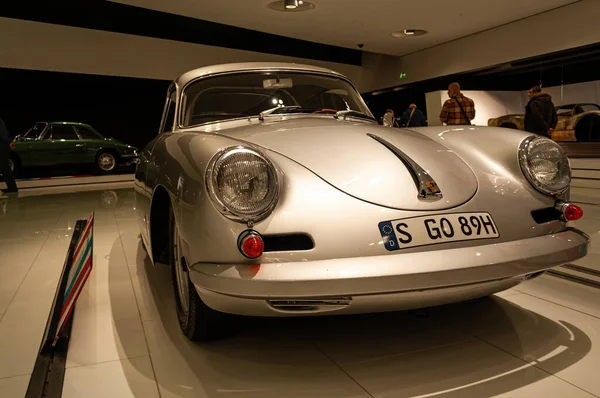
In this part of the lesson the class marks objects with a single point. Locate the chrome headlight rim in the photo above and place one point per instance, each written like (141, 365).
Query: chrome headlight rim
(524, 162)
(224, 208)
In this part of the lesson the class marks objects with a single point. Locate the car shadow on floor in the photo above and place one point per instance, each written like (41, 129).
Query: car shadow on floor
(481, 348)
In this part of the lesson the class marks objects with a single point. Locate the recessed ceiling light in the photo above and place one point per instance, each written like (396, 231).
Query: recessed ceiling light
(291, 5)
(409, 33)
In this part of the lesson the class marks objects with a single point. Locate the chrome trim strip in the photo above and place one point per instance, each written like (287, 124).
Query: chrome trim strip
(426, 185)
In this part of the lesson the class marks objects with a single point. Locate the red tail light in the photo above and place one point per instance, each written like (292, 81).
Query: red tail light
(12, 146)
(250, 244)
(569, 211)
(573, 212)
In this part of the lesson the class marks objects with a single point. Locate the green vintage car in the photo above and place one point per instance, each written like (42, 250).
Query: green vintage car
(69, 144)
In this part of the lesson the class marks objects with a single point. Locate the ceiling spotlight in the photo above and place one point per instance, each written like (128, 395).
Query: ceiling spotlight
(409, 32)
(291, 5)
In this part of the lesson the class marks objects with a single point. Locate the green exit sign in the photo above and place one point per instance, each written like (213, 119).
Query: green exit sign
(402, 75)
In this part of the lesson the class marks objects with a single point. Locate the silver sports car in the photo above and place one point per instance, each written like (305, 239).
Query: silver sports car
(272, 191)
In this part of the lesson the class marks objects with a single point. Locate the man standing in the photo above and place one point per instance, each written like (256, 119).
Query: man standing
(458, 110)
(540, 115)
(413, 117)
(5, 140)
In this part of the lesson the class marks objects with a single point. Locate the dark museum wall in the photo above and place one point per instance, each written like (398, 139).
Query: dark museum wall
(88, 62)
(576, 65)
(128, 109)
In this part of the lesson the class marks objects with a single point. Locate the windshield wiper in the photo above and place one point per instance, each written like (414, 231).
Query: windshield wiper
(352, 112)
(275, 110)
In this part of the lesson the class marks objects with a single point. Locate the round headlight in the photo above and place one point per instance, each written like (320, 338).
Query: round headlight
(243, 183)
(545, 165)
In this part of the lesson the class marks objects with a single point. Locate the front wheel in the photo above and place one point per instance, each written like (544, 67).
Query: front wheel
(197, 321)
(106, 162)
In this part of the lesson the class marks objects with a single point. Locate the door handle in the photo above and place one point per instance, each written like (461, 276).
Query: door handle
(79, 145)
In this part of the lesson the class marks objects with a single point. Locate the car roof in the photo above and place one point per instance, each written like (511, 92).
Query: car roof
(568, 106)
(250, 66)
(75, 123)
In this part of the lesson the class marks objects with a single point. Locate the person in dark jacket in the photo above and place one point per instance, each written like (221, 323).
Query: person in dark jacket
(5, 140)
(540, 115)
(413, 117)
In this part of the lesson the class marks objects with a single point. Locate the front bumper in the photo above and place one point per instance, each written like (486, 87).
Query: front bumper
(451, 273)
(128, 159)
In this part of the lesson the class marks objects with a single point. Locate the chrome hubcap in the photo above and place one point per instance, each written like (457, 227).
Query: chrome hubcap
(106, 162)
(183, 285)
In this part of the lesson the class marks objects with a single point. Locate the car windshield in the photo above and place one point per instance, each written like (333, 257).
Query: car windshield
(248, 94)
(35, 131)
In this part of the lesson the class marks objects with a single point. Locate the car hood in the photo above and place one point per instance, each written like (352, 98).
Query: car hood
(118, 143)
(343, 154)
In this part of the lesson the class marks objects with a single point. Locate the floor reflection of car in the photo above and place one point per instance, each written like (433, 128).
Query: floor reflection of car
(576, 122)
(69, 144)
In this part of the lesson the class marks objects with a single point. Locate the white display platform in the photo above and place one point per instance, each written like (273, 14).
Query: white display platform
(45, 182)
(586, 177)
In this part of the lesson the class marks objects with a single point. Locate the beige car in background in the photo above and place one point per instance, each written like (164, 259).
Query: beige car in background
(576, 122)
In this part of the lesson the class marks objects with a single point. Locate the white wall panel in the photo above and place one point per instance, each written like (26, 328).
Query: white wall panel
(564, 28)
(434, 102)
(42, 46)
(573, 93)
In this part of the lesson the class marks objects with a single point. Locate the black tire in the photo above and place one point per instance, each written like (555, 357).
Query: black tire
(107, 161)
(199, 322)
(588, 129)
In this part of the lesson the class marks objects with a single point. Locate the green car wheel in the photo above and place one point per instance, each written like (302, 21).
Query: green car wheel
(106, 162)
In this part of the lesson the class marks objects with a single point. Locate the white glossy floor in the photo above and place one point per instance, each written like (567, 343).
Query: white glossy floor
(541, 339)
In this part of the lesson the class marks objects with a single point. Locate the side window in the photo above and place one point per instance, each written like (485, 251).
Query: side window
(87, 134)
(166, 125)
(63, 132)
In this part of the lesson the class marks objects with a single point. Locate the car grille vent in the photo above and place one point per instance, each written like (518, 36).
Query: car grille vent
(287, 242)
(548, 214)
(311, 305)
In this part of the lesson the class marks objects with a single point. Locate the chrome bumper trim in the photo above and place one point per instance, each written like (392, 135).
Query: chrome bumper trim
(393, 272)
(360, 304)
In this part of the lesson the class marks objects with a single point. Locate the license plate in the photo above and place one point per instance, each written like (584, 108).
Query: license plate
(434, 229)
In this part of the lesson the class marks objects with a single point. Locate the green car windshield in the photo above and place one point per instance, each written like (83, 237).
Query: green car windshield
(34, 132)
